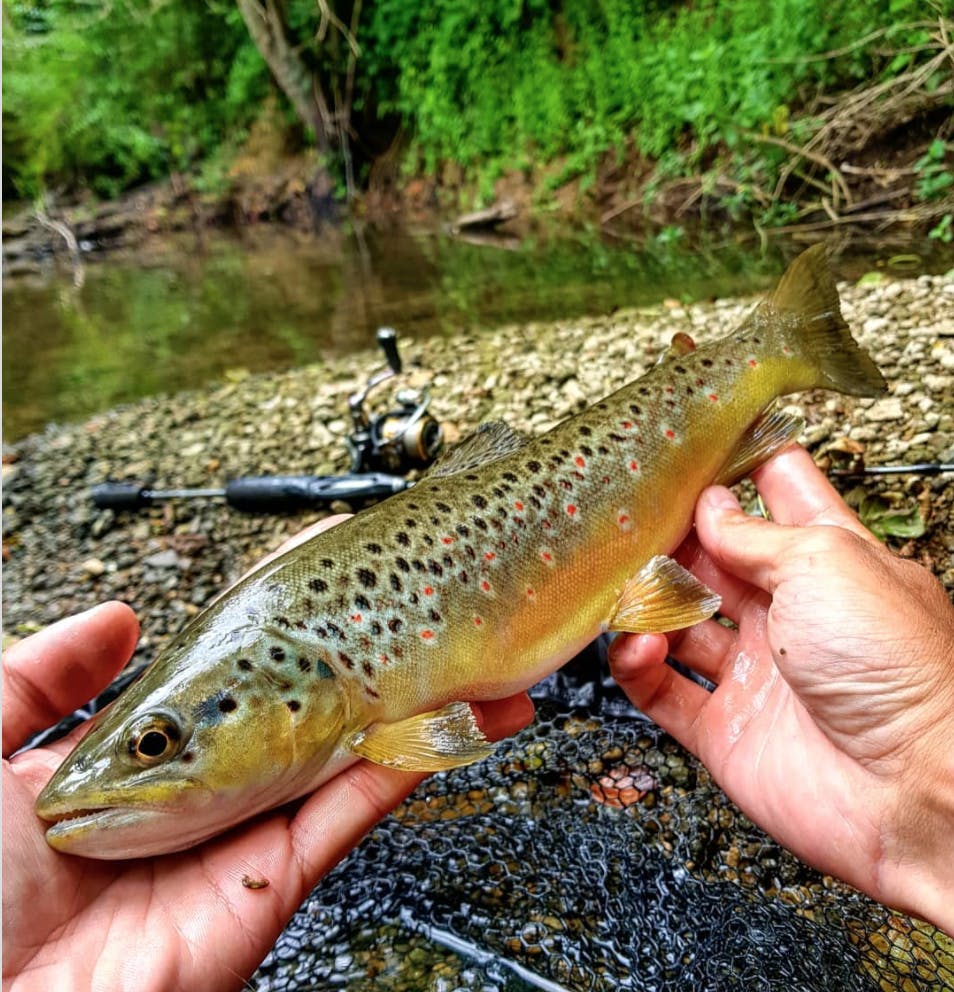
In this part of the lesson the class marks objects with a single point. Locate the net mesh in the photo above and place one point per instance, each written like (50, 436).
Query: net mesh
(590, 852)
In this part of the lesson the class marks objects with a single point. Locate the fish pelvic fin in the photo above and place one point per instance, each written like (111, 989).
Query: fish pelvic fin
(771, 432)
(662, 596)
(803, 315)
(429, 742)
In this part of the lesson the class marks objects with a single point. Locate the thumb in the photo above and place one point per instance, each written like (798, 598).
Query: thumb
(750, 548)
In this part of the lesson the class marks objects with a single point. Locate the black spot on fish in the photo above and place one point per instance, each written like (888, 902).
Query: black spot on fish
(227, 704)
(470, 477)
(276, 653)
(327, 563)
(541, 490)
(447, 560)
(613, 436)
(366, 577)
(434, 616)
(336, 630)
(410, 522)
(394, 624)
(443, 507)
(304, 665)
(434, 567)
(374, 549)
(689, 390)
(498, 492)
(402, 538)
(323, 671)
(463, 577)
(283, 622)
(376, 627)
(428, 540)
(645, 391)
(469, 551)
(402, 564)
(413, 506)
(435, 520)
(188, 757)
(397, 650)
(533, 465)
(245, 664)
(319, 630)
(585, 431)
(319, 585)
(479, 523)
(479, 501)
(635, 410)
(413, 598)
(346, 660)
(419, 565)
(707, 362)
(586, 450)
(566, 483)
(502, 511)
(681, 369)
(602, 449)
(362, 602)
(368, 668)
(371, 692)
(396, 584)
(463, 530)
(557, 459)
(293, 705)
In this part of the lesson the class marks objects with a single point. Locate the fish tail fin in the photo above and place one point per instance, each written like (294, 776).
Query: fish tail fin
(804, 315)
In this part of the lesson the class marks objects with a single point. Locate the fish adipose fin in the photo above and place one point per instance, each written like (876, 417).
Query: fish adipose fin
(663, 596)
(804, 316)
(489, 442)
(428, 742)
(770, 433)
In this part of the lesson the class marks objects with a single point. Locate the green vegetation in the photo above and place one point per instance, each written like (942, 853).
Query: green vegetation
(108, 97)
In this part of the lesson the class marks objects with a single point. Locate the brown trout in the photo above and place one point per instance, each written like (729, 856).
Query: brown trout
(508, 558)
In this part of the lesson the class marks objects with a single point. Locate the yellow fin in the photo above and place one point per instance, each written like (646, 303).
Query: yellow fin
(489, 442)
(663, 596)
(765, 436)
(428, 742)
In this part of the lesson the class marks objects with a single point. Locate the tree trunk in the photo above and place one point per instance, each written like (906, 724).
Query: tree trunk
(266, 25)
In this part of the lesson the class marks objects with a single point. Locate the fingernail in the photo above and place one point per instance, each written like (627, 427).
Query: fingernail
(720, 498)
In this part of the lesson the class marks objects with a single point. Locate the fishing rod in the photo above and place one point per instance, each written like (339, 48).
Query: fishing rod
(381, 447)
(919, 468)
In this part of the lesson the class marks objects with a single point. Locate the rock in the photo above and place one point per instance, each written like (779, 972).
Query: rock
(885, 409)
(163, 559)
(93, 567)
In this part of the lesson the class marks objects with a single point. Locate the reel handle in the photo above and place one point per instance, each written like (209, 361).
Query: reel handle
(387, 338)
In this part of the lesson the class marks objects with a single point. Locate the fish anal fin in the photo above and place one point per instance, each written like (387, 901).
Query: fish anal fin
(662, 596)
(428, 742)
(771, 432)
(489, 442)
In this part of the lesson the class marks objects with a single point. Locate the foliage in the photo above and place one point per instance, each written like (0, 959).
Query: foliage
(122, 93)
(114, 95)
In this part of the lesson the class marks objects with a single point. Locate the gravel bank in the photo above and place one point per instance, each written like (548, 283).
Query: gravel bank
(62, 555)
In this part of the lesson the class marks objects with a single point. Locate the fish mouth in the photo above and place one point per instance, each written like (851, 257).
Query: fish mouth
(80, 831)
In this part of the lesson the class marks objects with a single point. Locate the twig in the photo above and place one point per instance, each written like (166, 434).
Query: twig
(822, 160)
(860, 43)
(63, 230)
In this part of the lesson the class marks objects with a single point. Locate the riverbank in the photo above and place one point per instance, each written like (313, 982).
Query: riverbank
(61, 555)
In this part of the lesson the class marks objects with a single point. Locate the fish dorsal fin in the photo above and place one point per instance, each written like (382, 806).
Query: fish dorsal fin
(771, 432)
(428, 742)
(680, 345)
(662, 596)
(489, 442)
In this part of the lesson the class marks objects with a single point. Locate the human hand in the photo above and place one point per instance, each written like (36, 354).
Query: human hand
(180, 921)
(832, 722)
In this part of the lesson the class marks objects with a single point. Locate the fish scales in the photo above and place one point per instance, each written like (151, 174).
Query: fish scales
(485, 576)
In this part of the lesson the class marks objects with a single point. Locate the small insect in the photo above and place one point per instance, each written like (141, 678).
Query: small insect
(255, 883)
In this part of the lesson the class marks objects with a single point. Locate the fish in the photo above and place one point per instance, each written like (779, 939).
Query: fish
(371, 639)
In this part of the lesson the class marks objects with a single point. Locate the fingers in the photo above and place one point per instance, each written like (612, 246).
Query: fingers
(796, 492)
(665, 696)
(504, 717)
(49, 674)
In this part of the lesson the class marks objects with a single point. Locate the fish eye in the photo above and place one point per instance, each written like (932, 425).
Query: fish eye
(154, 739)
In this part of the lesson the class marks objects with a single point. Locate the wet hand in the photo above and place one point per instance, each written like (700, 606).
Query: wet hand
(831, 723)
(187, 920)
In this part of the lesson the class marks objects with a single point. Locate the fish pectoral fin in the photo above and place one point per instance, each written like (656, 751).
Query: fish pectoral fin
(489, 442)
(680, 345)
(765, 436)
(428, 742)
(662, 596)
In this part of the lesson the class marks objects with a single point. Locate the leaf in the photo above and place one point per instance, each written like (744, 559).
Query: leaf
(890, 516)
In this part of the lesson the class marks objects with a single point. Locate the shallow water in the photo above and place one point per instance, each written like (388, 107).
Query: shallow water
(194, 309)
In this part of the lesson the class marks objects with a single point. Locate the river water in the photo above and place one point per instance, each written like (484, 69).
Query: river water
(190, 310)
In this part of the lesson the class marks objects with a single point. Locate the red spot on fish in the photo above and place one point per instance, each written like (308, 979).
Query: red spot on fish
(518, 506)
(606, 480)
(700, 382)
(627, 425)
(753, 362)
(427, 634)
(622, 519)
(428, 590)
(547, 525)
(478, 621)
(581, 461)
(670, 389)
(713, 397)
(356, 617)
(447, 540)
(530, 593)
(489, 555)
(485, 585)
(634, 466)
(546, 556)
(671, 434)
(786, 349)
(385, 659)
(571, 509)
